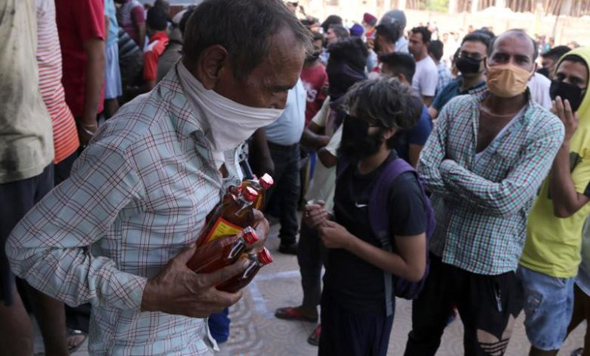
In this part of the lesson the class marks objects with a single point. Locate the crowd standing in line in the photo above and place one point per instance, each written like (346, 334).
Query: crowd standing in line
(450, 170)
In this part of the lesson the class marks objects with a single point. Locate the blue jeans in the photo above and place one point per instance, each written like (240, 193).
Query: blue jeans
(549, 302)
(219, 325)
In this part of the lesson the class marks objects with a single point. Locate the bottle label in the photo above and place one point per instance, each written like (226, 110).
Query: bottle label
(222, 228)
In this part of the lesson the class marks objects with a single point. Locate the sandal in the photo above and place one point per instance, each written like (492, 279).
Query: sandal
(293, 313)
(76, 333)
(314, 338)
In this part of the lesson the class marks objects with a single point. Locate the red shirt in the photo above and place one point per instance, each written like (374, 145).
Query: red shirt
(78, 21)
(314, 80)
(152, 53)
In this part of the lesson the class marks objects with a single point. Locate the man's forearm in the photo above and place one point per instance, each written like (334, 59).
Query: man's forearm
(141, 32)
(312, 141)
(94, 80)
(81, 278)
(387, 261)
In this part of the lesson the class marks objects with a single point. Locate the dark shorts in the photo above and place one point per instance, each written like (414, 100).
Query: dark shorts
(16, 199)
(345, 332)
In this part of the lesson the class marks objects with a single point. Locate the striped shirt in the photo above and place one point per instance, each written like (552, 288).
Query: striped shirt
(65, 135)
(136, 196)
(481, 207)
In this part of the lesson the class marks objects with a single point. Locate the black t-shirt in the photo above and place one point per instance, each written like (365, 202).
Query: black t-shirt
(358, 284)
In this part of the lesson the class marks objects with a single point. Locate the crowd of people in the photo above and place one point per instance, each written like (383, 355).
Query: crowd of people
(452, 171)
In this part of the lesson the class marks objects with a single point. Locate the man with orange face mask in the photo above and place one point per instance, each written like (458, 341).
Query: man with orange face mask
(483, 163)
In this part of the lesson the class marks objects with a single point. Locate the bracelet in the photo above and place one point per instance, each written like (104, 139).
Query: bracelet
(86, 131)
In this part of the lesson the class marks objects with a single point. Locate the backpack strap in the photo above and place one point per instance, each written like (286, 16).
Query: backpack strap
(379, 219)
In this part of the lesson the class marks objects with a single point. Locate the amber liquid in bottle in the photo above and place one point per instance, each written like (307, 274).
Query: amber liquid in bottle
(230, 218)
(222, 252)
(260, 186)
(234, 284)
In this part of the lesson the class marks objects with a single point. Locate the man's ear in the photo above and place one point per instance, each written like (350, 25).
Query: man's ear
(533, 72)
(402, 78)
(388, 133)
(212, 61)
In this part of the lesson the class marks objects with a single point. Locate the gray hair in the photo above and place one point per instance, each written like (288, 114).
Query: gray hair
(243, 27)
(385, 102)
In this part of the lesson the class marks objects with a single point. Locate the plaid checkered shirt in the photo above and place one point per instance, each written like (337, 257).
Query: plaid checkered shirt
(136, 196)
(481, 206)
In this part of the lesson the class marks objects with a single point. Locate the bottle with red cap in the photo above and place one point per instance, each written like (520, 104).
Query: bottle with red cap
(257, 261)
(230, 218)
(222, 252)
(261, 186)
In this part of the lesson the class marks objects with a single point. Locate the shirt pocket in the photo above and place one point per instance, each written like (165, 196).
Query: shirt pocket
(501, 163)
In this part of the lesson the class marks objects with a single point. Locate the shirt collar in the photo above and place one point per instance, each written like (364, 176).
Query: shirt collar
(186, 120)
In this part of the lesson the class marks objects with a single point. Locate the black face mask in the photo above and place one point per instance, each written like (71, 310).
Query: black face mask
(356, 140)
(569, 92)
(467, 65)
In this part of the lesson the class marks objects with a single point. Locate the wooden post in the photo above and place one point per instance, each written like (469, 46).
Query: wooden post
(452, 7)
(566, 8)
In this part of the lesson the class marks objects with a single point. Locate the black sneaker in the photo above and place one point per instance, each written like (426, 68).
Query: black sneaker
(290, 249)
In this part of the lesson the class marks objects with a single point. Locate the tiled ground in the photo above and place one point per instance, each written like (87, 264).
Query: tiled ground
(255, 331)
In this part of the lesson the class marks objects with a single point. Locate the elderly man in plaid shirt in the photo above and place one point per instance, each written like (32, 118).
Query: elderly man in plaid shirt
(483, 163)
(119, 231)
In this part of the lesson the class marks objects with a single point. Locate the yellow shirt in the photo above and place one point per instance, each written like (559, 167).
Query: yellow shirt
(553, 244)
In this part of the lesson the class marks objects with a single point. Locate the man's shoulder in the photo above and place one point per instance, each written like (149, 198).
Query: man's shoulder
(453, 87)
(429, 64)
(134, 122)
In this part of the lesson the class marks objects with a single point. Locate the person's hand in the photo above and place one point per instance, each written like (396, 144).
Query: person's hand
(334, 235)
(180, 291)
(263, 165)
(314, 214)
(262, 227)
(370, 43)
(563, 110)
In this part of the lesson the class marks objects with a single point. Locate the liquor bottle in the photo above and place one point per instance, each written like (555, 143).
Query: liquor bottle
(261, 186)
(222, 252)
(234, 284)
(230, 218)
